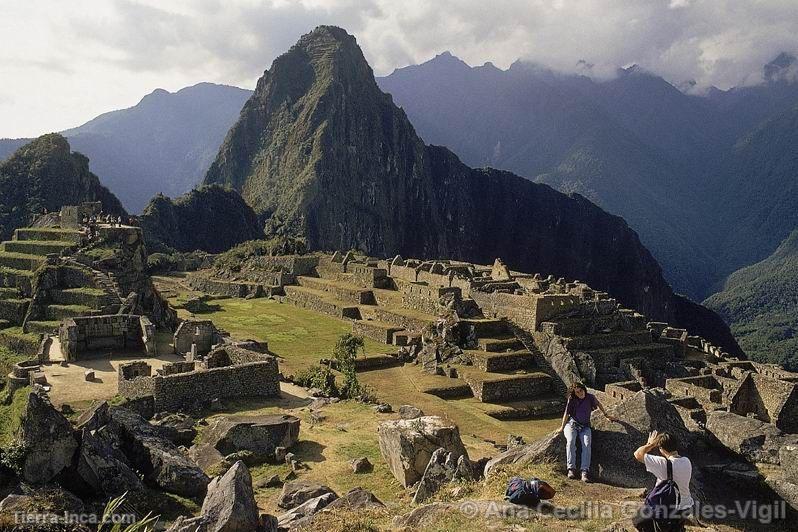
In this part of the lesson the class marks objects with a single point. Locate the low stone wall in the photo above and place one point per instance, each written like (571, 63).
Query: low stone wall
(202, 283)
(315, 303)
(511, 389)
(368, 276)
(620, 391)
(409, 323)
(706, 390)
(374, 331)
(358, 296)
(425, 298)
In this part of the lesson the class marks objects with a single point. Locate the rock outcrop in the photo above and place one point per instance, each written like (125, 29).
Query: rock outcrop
(408, 445)
(47, 439)
(299, 492)
(260, 435)
(161, 462)
(101, 468)
(324, 154)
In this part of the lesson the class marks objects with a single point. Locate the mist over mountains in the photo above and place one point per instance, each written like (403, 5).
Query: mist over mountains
(679, 168)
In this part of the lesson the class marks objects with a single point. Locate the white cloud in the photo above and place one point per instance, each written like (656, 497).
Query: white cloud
(61, 63)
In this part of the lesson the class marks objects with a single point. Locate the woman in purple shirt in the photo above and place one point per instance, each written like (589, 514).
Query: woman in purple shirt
(576, 424)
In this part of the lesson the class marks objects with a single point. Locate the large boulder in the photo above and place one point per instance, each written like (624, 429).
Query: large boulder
(177, 426)
(550, 448)
(296, 517)
(407, 445)
(614, 443)
(751, 438)
(299, 491)
(355, 499)
(95, 417)
(101, 468)
(260, 435)
(47, 438)
(443, 467)
(230, 504)
(158, 458)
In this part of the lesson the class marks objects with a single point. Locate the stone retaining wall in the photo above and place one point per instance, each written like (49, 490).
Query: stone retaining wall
(374, 331)
(515, 389)
(84, 334)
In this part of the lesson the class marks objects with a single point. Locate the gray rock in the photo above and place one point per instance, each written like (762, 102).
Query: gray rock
(156, 457)
(178, 427)
(410, 412)
(407, 445)
(786, 490)
(440, 470)
(547, 449)
(361, 465)
(615, 443)
(230, 504)
(279, 454)
(788, 457)
(300, 515)
(269, 482)
(356, 499)
(100, 467)
(297, 492)
(755, 440)
(260, 435)
(47, 438)
(95, 417)
(383, 408)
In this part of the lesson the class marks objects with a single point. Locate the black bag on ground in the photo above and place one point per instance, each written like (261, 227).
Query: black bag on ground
(524, 492)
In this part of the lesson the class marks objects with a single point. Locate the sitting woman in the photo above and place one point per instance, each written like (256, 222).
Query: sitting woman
(576, 425)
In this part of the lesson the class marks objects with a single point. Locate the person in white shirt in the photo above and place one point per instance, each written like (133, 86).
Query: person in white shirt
(682, 470)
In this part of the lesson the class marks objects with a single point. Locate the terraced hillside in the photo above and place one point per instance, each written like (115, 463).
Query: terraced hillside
(41, 285)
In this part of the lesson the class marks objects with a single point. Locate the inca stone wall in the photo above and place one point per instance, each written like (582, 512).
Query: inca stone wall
(195, 337)
(80, 336)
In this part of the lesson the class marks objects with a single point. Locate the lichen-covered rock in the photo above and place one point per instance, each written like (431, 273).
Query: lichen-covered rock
(177, 426)
(410, 412)
(407, 445)
(261, 435)
(756, 440)
(361, 465)
(47, 438)
(549, 448)
(302, 513)
(95, 417)
(299, 491)
(230, 504)
(161, 462)
(100, 468)
(440, 470)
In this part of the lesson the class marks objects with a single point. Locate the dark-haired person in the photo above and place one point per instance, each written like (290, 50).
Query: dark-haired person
(576, 425)
(682, 470)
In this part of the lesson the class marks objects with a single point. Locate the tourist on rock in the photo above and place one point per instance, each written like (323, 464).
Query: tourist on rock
(669, 504)
(576, 425)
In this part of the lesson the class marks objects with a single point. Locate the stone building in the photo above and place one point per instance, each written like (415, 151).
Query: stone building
(89, 336)
(196, 338)
(226, 372)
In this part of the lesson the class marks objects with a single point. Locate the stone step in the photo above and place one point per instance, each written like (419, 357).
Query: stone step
(20, 261)
(376, 330)
(611, 339)
(13, 278)
(320, 302)
(10, 293)
(374, 362)
(14, 310)
(339, 290)
(407, 319)
(456, 390)
(90, 297)
(42, 327)
(499, 387)
(37, 247)
(488, 327)
(510, 343)
(59, 312)
(541, 407)
(48, 233)
(509, 361)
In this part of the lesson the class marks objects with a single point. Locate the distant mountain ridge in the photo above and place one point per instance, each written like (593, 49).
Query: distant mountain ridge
(635, 144)
(320, 152)
(165, 143)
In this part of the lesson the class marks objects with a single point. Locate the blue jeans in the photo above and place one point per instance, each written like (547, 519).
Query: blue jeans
(585, 437)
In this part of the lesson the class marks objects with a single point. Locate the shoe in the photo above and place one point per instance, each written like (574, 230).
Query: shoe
(585, 477)
(572, 474)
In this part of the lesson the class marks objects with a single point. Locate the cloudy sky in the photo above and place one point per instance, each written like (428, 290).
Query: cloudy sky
(64, 62)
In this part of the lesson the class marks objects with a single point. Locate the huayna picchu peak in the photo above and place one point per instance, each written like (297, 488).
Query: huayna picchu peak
(319, 151)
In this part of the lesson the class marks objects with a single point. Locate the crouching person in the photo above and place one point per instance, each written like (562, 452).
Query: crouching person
(669, 504)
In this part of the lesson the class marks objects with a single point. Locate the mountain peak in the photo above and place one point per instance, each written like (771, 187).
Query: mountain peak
(783, 68)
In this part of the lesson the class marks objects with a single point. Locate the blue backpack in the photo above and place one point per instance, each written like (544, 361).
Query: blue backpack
(665, 497)
(525, 492)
